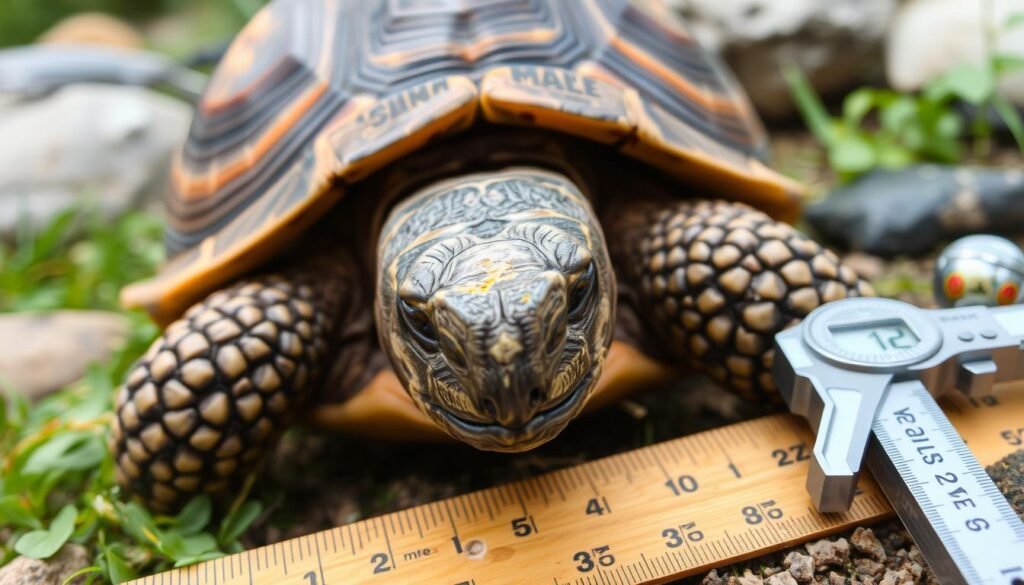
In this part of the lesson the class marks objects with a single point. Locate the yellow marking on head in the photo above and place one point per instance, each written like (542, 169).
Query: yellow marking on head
(495, 272)
(505, 349)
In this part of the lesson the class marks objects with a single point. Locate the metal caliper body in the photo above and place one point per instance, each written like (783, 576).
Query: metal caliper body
(865, 372)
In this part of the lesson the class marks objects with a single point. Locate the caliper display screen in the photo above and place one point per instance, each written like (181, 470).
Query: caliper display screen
(877, 337)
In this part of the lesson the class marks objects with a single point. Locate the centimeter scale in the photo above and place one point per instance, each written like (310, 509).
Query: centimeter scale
(681, 507)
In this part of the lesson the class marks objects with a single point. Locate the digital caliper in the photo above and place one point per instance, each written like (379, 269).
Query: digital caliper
(865, 373)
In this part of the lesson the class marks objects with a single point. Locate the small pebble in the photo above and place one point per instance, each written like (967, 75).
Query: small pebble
(828, 553)
(865, 541)
(900, 577)
(749, 578)
(867, 266)
(868, 567)
(836, 579)
(800, 566)
(783, 578)
(712, 578)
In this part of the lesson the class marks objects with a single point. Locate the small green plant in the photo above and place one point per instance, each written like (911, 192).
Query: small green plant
(885, 128)
(80, 260)
(57, 481)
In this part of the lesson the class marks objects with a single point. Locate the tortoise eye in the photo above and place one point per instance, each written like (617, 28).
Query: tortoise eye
(452, 352)
(418, 322)
(580, 291)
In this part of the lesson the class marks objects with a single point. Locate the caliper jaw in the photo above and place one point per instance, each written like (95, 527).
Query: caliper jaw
(842, 416)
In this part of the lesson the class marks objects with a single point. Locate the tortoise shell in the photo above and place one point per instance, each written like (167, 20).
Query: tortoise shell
(314, 95)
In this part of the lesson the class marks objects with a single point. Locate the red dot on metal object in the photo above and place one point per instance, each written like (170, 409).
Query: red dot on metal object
(954, 285)
(1007, 293)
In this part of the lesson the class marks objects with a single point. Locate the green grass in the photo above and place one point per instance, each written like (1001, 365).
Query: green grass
(56, 475)
(206, 20)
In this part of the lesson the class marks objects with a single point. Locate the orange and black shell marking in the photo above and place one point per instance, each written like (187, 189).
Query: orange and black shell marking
(316, 94)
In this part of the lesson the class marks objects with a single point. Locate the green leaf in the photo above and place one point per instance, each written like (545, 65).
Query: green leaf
(136, 521)
(1014, 20)
(12, 512)
(900, 114)
(80, 572)
(852, 154)
(238, 521)
(857, 105)
(42, 544)
(973, 84)
(207, 556)
(807, 101)
(194, 516)
(67, 452)
(1011, 117)
(118, 571)
(1004, 63)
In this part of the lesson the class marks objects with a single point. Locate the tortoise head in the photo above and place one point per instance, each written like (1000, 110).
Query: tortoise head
(500, 325)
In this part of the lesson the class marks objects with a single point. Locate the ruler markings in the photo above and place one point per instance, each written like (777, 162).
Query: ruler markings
(387, 541)
(468, 510)
(633, 528)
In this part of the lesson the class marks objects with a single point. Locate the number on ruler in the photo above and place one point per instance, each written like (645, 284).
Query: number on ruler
(311, 576)
(586, 559)
(1014, 437)
(674, 536)
(755, 514)
(595, 508)
(684, 483)
(791, 455)
(380, 560)
(524, 526)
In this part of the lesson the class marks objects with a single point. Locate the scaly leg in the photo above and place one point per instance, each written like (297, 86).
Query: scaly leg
(212, 394)
(715, 281)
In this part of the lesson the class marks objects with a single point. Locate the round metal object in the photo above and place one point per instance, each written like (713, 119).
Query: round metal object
(979, 270)
(872, 334)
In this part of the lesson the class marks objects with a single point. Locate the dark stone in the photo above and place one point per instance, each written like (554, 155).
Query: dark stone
(912, 211)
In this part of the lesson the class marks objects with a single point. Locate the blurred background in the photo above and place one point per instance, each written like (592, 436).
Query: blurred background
(901, 116)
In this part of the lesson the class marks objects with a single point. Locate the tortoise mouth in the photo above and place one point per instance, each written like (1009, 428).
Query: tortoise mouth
(543, 427)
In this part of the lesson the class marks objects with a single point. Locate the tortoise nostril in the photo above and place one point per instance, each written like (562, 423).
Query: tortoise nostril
(490, 408)
(536, 396)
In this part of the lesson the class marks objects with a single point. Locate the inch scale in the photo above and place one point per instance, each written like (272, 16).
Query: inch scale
(650, 515)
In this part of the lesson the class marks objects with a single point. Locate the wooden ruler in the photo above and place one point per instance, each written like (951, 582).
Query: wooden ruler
(649, 515)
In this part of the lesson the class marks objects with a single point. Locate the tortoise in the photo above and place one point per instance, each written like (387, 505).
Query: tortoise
(412, 219)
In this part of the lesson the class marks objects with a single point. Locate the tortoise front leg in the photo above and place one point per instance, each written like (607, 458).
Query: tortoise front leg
(212, 394)
(715, 281)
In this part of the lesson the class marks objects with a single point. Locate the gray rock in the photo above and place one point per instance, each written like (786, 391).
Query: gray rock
(801, 566)
(783, 578)
(827, 553)
(865, 541)
(911, 211)
(913, 57)
(112, 144)
(41, 352)
(831, 40)
(52, 571)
